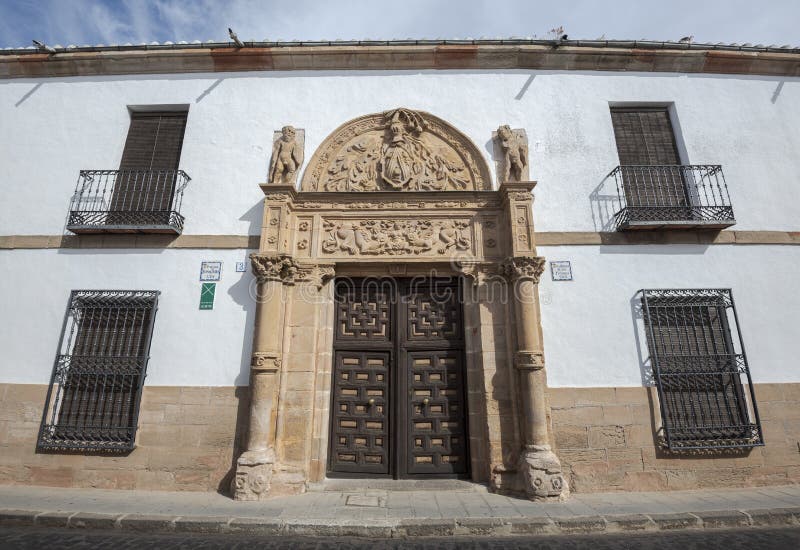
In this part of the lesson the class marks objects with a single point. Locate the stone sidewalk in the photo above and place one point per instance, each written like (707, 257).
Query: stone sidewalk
(399, 509)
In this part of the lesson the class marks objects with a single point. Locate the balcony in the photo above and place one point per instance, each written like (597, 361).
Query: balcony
(672, 197)
(128, 201)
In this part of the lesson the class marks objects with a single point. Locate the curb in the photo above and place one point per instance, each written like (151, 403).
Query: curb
(408, 528)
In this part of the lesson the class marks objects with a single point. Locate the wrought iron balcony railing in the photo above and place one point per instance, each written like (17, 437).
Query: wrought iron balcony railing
(672, 196)
(128, 201)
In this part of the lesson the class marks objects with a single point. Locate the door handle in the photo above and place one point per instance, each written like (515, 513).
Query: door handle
(425, 401)
(371, 402)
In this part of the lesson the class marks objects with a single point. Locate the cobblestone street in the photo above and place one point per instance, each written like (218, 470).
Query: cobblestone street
(747, 539)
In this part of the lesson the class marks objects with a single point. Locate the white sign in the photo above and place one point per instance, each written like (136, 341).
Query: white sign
(561, 271)
(241, 267)
(210, 271)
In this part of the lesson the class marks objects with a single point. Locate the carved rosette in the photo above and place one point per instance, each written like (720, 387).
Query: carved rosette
(523, 268)
(265, 361)
(529, 360)
(542, 475)
(280, 268)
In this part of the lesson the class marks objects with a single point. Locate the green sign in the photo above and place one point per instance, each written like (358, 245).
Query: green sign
(207, 295)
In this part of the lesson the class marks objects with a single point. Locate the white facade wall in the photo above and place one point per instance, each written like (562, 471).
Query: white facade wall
(591, 336)
(54, 127)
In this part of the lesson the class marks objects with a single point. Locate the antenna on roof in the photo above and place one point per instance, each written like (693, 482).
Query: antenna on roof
(43, 47)
(239, 43)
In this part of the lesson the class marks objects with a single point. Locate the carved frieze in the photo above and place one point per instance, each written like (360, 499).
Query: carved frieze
(418, 236)
(265, 361)
(398, 150)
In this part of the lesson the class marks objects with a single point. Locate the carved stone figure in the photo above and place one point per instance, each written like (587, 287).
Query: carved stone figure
(287, 156)
(399, 150)
(395, 237)
(511, 150)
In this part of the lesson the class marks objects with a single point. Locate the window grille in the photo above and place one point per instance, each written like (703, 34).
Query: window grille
(93, 400)
(700, 369)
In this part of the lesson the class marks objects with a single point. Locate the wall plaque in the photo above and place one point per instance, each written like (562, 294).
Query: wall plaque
(210, 271)
(561, 271)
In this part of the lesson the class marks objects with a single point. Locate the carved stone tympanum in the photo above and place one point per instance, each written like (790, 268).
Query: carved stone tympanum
(287, 155)
(398, 150)
(511, 152)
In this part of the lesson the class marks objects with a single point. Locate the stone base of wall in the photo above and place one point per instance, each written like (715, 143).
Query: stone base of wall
(189, 437)
(187, 440)
(606, 440)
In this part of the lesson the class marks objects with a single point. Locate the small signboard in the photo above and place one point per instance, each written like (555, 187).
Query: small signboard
(210, 271)
(241, 267)
(207, 295)
(561, 271)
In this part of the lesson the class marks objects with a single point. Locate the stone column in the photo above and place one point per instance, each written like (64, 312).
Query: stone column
(254, 466)
(539, 466)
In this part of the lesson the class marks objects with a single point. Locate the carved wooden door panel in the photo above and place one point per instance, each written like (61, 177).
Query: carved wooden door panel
(398, 392)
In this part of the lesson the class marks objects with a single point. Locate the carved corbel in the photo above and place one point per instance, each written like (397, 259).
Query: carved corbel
(280, 268)
(523, 268)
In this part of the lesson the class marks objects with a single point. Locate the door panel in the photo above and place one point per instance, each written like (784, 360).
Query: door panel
(436, 404)
(360, 412)
(398, 405)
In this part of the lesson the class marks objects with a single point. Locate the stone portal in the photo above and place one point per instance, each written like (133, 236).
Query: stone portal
(399, 196)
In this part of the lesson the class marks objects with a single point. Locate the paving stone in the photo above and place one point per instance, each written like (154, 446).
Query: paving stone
(362, 500)
(533, 526)
(85, 520)
(147, 522)
(774, 516)
(629, 522)
(722, 519)
(483, 526)
(201, 524)
(675, 521)
(256, 526)
(582, 524)
(427, 527)
(53, 519)
(17, 517)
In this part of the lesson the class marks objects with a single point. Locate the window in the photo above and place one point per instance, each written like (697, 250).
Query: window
(145, 193)
(93, 399)
(700, 370)
(657, 191)
(149, 166)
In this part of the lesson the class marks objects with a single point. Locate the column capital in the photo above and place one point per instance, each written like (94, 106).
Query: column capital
(316, 274)
(525, 268)
(274, 267)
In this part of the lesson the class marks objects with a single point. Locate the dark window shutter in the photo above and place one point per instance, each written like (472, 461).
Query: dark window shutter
(148, 169)
(644, 136)
(697, 370)
(644, 139)
(100, 370)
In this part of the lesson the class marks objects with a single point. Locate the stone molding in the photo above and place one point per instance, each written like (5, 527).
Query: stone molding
(265, 361)
(542, 474)
(620, 56)
(523, 268)
(543, 238)
(529, 360)
(397, 150)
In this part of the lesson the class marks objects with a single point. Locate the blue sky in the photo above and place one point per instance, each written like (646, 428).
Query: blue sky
(119, 21)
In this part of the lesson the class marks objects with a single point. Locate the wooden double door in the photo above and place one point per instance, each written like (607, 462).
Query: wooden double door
(399, 388)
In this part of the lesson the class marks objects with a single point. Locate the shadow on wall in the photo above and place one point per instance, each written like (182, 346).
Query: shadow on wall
(642, 351)
(254, 216)
(605, 202)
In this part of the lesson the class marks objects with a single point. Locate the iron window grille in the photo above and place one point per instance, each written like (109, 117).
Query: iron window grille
(93, 400)
(700, 369)
(128, 201)
(674, 196)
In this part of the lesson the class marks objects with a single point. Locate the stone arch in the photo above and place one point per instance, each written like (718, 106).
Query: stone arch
(397, 150)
